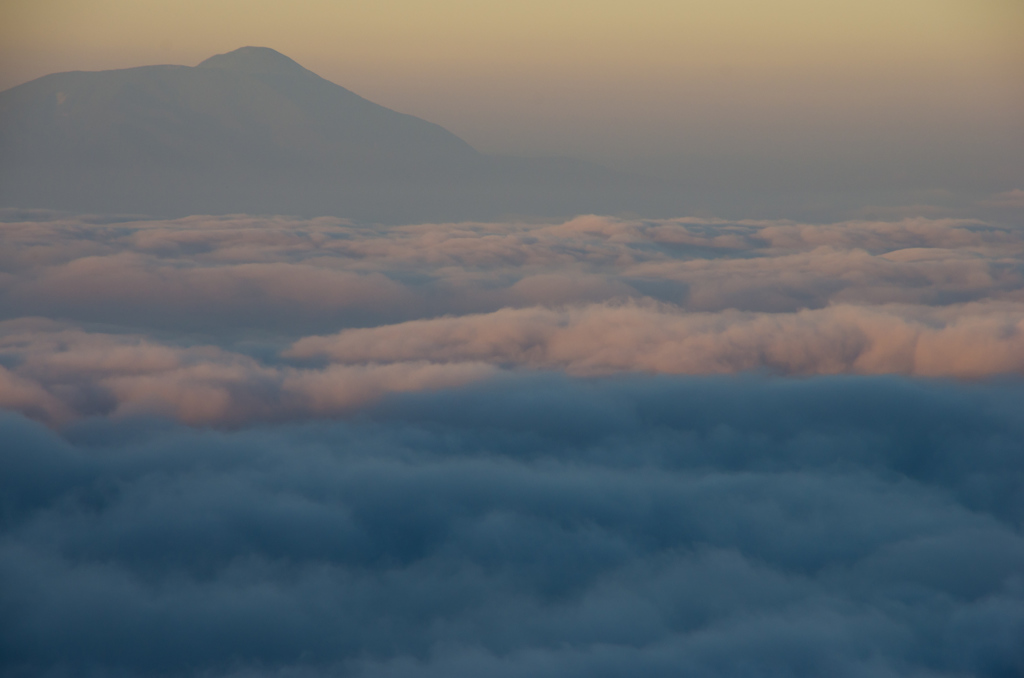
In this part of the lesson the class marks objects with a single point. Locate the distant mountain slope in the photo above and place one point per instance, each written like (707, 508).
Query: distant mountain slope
(253, 131)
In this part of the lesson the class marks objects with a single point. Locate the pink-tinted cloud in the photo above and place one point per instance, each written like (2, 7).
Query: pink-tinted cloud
(26, 396)
(301, 318)
(970, 340)
(210, 266)
(216, 268)
(63, 373)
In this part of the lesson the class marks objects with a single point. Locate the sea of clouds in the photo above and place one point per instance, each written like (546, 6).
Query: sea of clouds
(229, 320)
(263, 446)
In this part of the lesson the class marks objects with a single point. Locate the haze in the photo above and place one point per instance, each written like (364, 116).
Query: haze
(864, 102)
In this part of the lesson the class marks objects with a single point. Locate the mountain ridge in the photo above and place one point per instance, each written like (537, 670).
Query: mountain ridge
(253, 59)
(253, 131)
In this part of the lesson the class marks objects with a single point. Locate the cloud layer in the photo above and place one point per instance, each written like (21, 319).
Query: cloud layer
(234, 319)
(261, 446)
(533, 526)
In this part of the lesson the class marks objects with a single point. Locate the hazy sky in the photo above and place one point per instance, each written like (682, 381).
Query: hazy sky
(930, 89)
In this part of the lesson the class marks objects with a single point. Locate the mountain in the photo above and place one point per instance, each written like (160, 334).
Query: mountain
(253, 131)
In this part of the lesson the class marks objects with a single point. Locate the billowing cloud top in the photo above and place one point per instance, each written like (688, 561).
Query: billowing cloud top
(259, 446)
(229, 319)
(533, 526)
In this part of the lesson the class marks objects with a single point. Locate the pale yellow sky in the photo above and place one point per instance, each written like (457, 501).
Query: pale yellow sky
(604, 79)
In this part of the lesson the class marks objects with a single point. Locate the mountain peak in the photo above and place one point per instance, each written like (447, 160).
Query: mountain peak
(255, 60)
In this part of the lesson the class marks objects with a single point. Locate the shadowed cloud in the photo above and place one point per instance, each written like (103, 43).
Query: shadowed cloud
(531, 526)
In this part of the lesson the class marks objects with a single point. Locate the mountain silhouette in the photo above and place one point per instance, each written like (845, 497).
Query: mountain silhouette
(253, 131)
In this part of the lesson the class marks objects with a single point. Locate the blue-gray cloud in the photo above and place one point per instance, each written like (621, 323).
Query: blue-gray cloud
(531, 526)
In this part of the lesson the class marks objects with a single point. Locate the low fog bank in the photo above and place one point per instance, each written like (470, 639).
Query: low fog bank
(531, 525)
